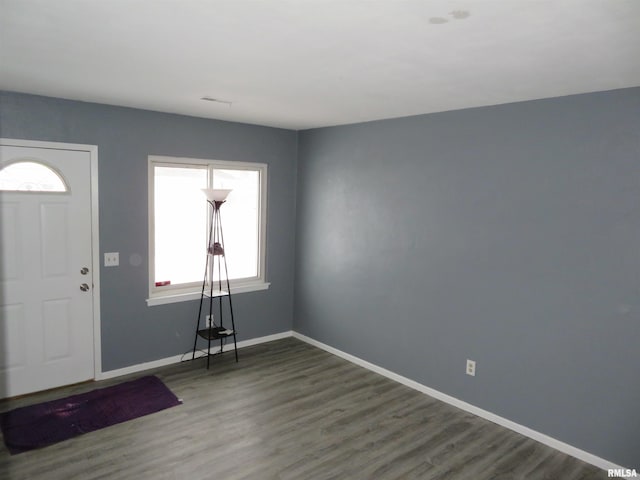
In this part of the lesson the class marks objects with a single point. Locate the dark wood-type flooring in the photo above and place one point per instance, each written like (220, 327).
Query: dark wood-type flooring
(288, 410)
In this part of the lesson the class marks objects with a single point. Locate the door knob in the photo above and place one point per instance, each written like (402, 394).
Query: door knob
(84, 270)
(84, 287)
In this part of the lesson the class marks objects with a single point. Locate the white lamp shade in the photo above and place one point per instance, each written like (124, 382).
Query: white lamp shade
(216, 194)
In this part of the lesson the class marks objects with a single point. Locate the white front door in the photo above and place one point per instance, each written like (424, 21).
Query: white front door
(46, 271)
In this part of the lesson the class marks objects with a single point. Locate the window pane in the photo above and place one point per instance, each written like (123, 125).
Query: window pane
(180, 224)
(30, 177)
(240, 223)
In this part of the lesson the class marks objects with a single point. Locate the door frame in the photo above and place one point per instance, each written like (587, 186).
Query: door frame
(92, 150)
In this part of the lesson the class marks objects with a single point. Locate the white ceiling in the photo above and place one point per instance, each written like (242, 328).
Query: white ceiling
(308, 63)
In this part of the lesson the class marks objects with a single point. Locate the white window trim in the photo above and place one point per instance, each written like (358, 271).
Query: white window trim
(163, 296)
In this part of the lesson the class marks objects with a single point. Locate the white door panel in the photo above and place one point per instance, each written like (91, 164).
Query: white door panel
(46, 320)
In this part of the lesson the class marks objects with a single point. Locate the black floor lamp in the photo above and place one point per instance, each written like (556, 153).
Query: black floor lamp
(216, 260)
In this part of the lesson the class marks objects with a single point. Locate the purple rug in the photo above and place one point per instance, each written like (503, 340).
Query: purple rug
(46, 423)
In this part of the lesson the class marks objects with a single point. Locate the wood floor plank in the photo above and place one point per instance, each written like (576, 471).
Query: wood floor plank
(289, 411)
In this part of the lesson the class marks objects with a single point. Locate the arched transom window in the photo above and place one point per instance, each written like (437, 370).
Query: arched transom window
(30, 176)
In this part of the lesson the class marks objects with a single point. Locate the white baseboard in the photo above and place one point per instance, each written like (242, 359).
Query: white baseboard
(178, 358)
(526, 431)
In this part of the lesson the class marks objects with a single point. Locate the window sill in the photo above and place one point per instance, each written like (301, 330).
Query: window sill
(185, 297)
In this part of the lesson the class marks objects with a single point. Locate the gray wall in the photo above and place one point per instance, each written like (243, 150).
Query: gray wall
(132, 332)
(509, 235)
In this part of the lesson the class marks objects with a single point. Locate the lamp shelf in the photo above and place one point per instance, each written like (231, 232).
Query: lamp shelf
(215, 333)
(215, 293)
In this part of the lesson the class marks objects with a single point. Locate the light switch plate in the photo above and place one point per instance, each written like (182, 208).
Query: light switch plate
(112, 259)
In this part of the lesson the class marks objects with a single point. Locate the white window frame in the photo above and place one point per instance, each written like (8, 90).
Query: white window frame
(34, 161)
(171, 294)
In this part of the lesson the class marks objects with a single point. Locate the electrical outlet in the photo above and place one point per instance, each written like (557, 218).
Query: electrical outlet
(471, 368)
(112, 259)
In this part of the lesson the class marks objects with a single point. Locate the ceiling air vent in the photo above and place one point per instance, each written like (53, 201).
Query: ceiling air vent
(216, 100)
